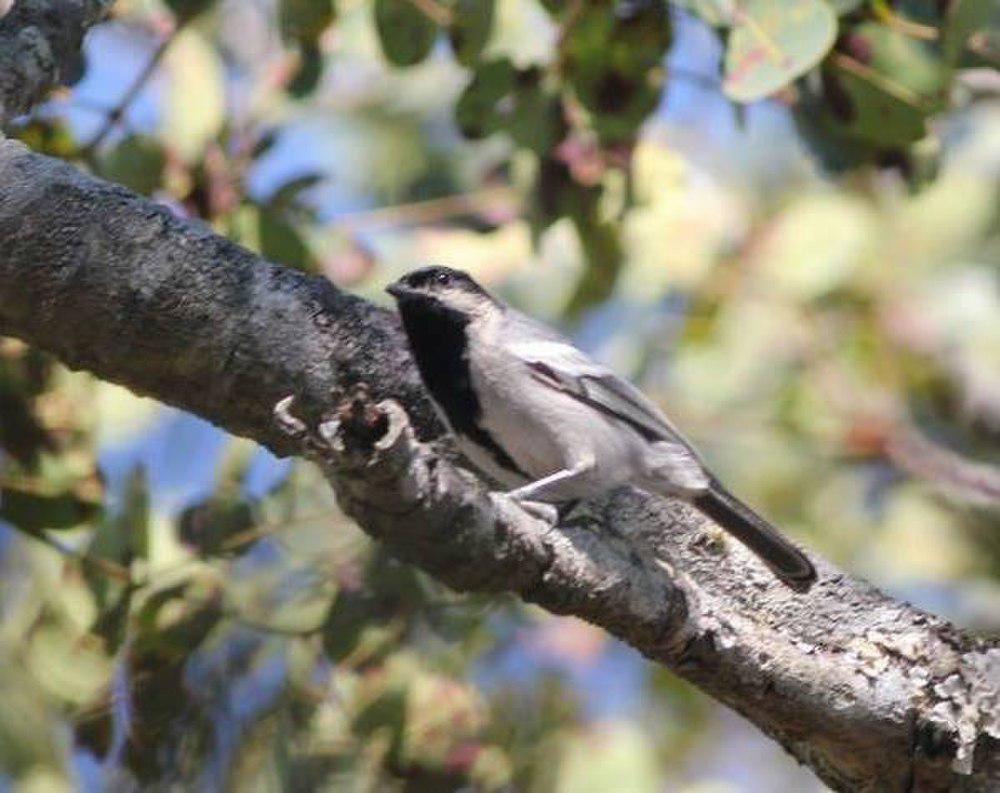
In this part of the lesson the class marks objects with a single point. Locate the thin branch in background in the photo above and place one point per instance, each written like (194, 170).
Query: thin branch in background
(890, 86)
(433, 210)
(117, 113)
(975, 482)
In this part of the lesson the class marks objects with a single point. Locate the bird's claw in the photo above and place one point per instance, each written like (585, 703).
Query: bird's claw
(539, 509)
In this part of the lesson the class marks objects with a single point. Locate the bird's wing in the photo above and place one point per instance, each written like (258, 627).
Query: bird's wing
(561, 365)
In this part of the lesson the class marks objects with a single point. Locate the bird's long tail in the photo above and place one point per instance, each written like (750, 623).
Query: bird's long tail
(785, 560)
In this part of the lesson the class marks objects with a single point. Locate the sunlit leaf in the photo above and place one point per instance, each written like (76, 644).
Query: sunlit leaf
(619, 757)
(798, 257)
(48, 136)
(773, 43)
(71, 670)
(31, 734)
(195, 102)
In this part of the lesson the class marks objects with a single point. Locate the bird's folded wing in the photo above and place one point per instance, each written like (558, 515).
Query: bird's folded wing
(563, 366)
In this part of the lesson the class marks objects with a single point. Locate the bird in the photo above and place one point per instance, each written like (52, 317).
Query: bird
(542, 418)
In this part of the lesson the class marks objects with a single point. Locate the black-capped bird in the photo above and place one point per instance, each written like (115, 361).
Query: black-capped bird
(541, 417)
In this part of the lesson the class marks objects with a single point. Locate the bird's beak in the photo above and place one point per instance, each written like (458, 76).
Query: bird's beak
(396, 289)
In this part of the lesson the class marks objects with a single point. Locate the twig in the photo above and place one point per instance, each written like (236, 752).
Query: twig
(876, 78)
(117, 113)
(907, 27)
(430, 211)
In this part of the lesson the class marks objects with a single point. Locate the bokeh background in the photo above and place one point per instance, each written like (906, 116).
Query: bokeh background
(781, 219)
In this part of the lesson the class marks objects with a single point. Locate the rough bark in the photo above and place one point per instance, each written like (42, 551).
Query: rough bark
(871, 693)
(40, 48)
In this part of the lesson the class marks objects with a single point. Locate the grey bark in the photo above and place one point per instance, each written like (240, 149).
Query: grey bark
(871, 693)
(40, 48)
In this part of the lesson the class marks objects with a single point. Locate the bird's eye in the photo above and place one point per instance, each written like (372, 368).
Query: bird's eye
(444, 278)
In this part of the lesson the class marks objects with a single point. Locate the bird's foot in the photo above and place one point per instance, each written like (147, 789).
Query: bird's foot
(539, 509)
(580, 514)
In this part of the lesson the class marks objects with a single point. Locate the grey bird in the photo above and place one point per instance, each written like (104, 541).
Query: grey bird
(542, 418)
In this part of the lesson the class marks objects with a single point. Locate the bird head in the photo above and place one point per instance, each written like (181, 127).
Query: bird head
(443, 287)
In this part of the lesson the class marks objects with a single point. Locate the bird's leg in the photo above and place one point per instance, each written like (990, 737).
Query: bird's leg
(543, 489)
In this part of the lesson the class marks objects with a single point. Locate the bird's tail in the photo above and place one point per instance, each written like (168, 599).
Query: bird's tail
(785, 560)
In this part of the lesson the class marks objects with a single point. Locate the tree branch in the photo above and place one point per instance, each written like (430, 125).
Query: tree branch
(869, 692)
(40, 48)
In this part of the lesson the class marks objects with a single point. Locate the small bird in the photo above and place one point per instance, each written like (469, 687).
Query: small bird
(542, 418)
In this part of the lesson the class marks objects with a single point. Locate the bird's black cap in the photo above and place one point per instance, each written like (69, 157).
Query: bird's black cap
(428, 280)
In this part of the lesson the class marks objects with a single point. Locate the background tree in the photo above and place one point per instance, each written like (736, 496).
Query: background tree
(809, 281)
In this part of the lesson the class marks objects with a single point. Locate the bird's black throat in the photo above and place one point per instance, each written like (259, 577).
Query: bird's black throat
(439, 344)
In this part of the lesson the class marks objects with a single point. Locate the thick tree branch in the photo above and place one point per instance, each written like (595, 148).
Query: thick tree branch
(869, 692)
(40, 48)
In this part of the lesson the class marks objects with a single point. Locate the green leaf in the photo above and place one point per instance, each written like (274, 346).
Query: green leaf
(305, 20)
(887, 84)
(207, 526)
(771, 44)
(501, 98)
(472, 22)
(965, 17)
(120, 539)
(21, 434)
(901, 65)
(186, 10)
(386, 712)
(406, 34)
(287, 196)
(281, 242)
(612, 57)
(49, 136)
(475, 110)
(877, 114)
(33, 512)
(309, 71)
(137, 163)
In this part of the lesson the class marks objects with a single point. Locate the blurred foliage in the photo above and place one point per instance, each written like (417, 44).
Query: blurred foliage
(827, 328)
